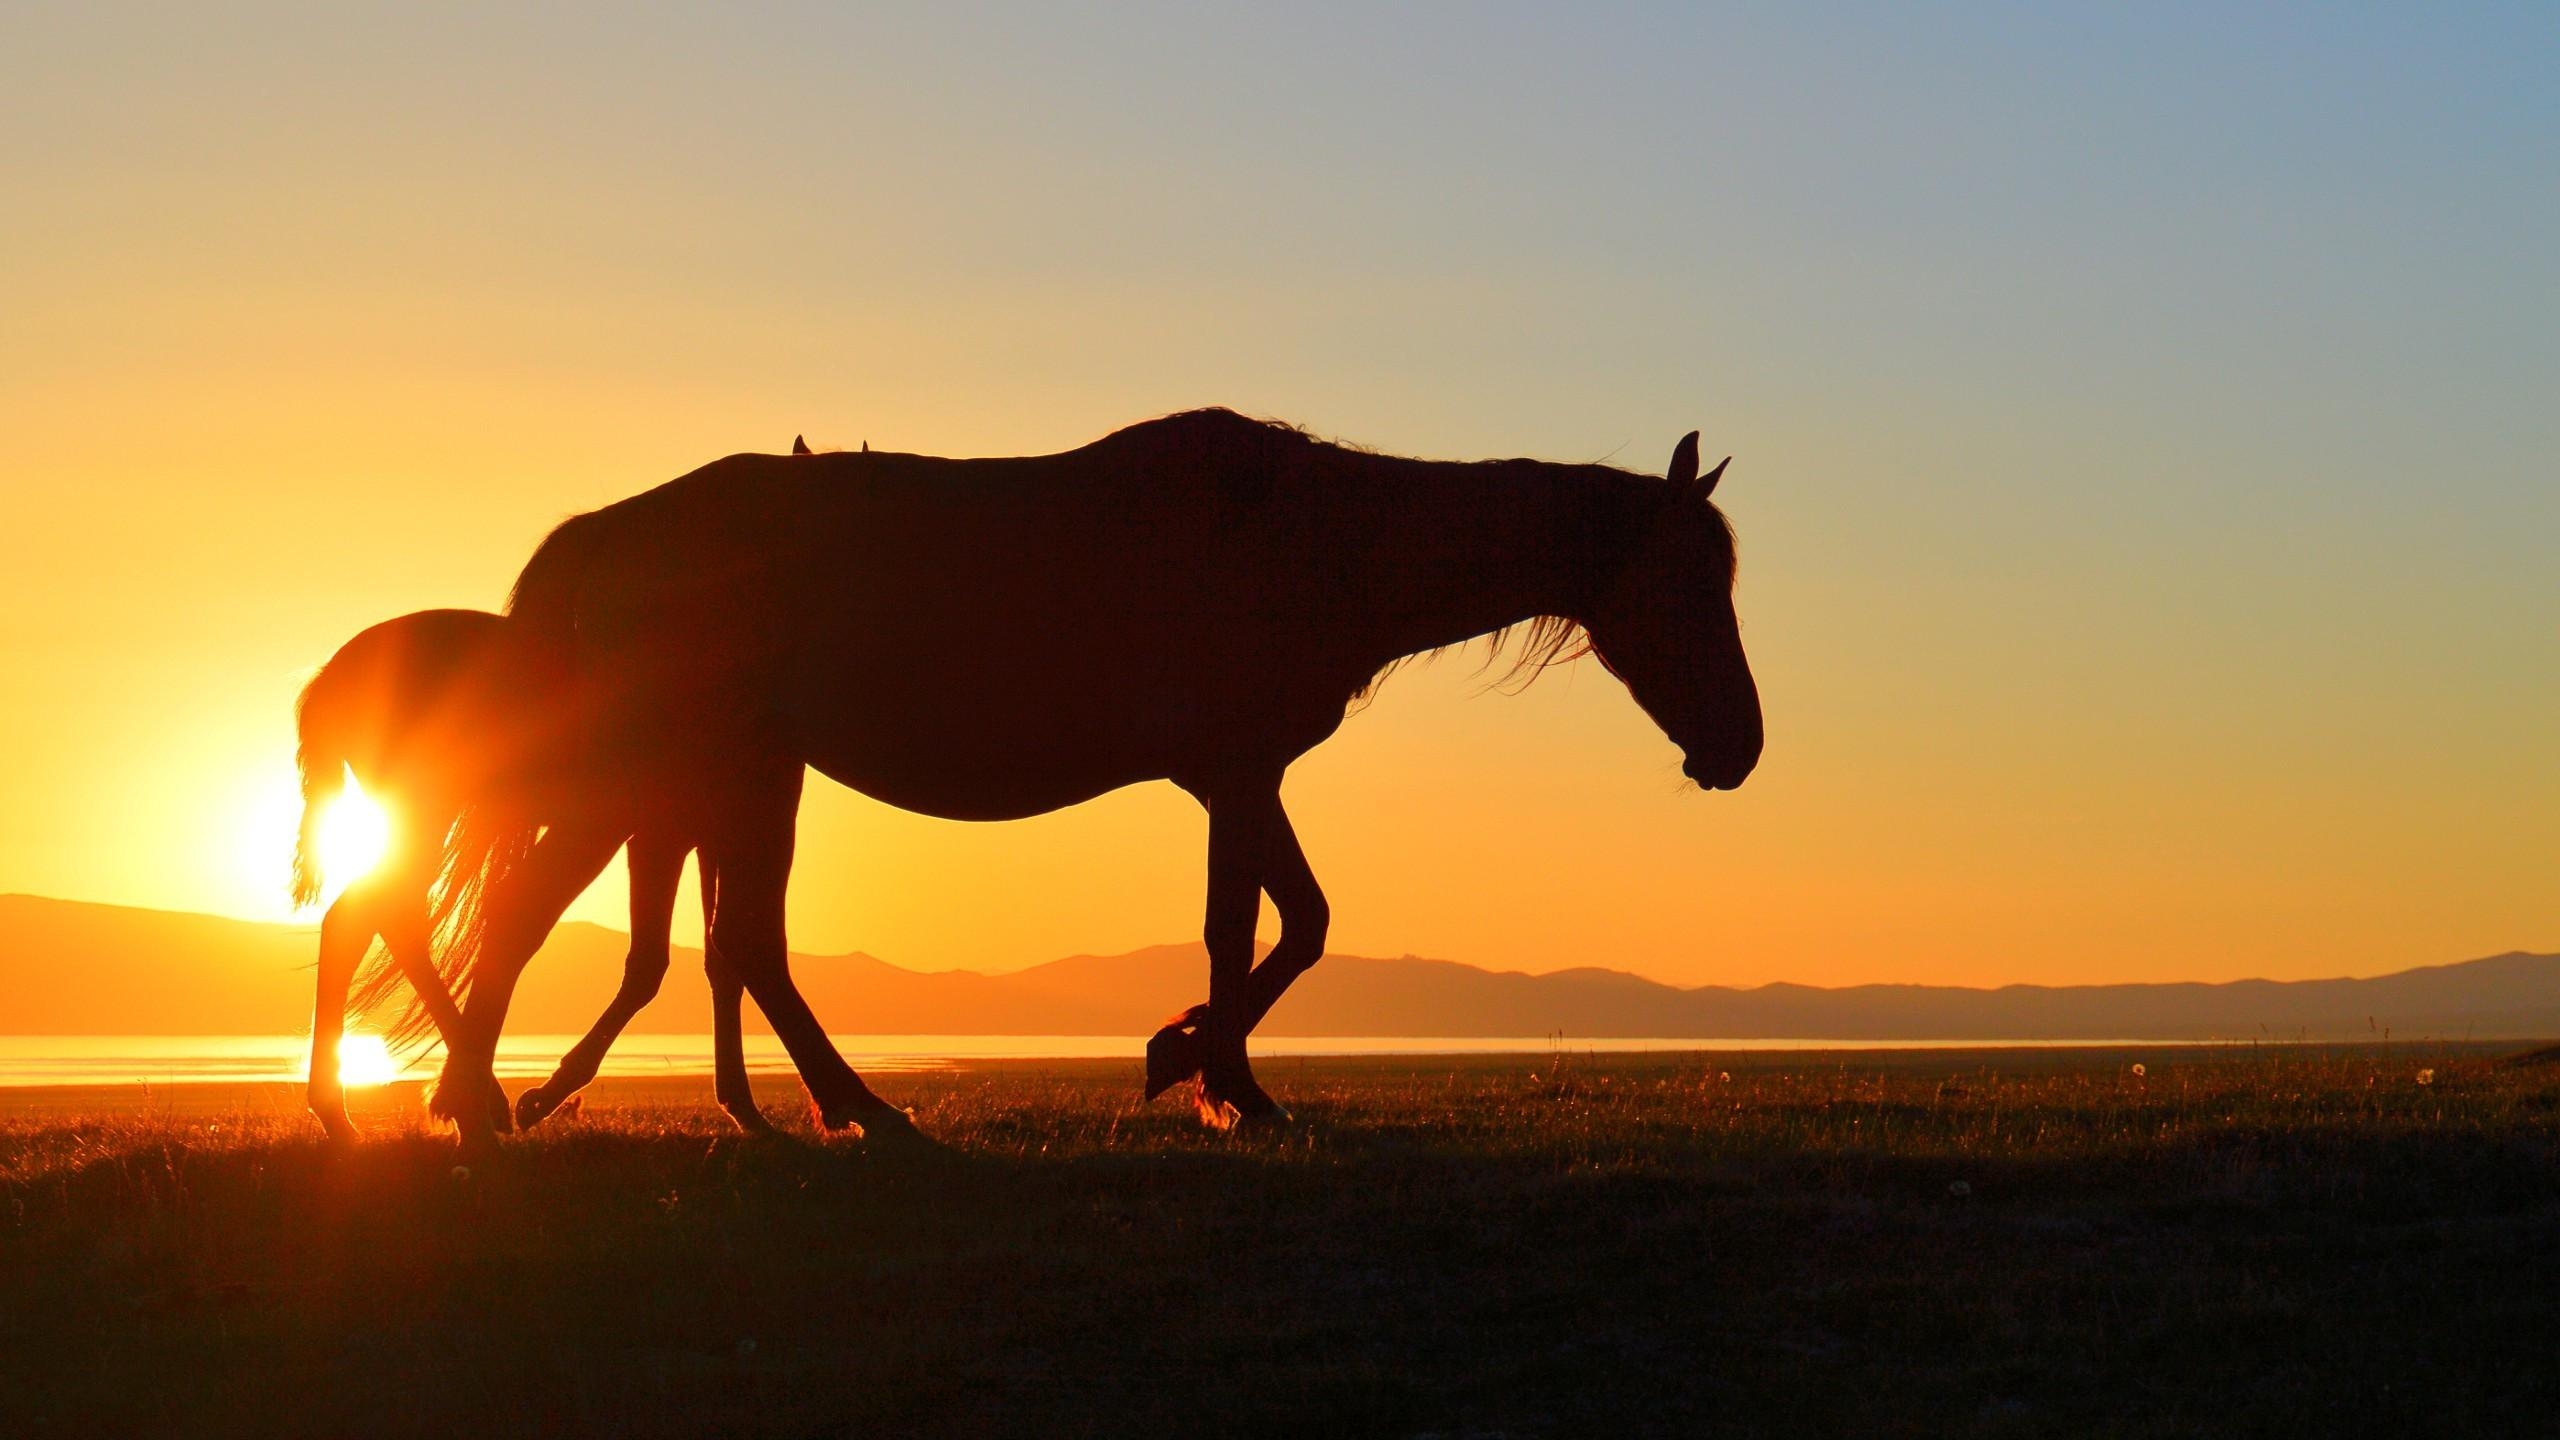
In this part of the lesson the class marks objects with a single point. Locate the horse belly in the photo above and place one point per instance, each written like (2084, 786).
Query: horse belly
(981, 743)
(972, 777)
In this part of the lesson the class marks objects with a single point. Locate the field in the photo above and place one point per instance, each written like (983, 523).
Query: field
(2261, 1241)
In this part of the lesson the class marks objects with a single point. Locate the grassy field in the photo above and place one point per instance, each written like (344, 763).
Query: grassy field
(2271, 1241)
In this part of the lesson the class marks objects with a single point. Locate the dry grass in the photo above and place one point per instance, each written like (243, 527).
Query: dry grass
(2273, 1241)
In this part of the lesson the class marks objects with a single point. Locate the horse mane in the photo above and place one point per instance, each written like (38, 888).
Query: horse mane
(1545, 641)
(1542, 641)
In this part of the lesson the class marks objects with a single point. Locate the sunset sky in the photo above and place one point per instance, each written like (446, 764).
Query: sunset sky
(2145, 427)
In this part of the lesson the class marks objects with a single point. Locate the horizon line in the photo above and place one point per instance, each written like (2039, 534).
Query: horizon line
(1261, 945)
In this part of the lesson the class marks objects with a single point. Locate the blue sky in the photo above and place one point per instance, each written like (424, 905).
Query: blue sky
(2144, 420)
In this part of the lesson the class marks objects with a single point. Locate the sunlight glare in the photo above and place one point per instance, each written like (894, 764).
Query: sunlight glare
(365, 1060)
(353, 836)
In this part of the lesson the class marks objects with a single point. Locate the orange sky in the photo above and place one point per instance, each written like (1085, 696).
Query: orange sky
(2147, 555)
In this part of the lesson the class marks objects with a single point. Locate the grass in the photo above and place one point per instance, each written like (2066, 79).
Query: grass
(2273, 1241)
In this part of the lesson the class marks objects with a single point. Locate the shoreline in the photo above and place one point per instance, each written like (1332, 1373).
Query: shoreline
(402, 1100)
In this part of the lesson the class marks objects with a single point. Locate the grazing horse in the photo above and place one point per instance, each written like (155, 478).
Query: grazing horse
(410, 707)
(1194, 599)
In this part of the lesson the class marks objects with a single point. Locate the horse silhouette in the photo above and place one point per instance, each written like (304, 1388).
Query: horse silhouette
(1197, 599)
(408, 707)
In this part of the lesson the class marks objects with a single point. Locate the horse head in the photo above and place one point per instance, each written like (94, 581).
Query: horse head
(1665, 625)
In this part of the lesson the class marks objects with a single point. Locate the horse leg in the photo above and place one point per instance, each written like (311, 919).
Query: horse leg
(1179, 1051)
(1305, 916)
(522, 908)
(753, 856)
(408, 890)
(345, 931)
(656, 865)
(407, 936)
(728, 1025)
(407, 933)
(1243, 821)
(729, 1082)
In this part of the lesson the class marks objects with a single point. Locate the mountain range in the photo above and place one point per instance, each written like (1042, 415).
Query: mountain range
(71, 967)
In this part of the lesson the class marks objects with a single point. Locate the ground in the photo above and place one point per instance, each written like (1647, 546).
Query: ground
(2258, 1241)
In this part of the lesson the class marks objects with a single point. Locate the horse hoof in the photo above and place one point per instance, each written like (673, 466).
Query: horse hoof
(1259, 1111)
(1230, 1118)
(473, 1136)
(329, 1107)
(532, 1108)
(479, 1119)
(890, 1128)
(1174, 1053)
(1234, 1107)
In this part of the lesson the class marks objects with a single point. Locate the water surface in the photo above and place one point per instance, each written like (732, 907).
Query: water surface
(180, 1059)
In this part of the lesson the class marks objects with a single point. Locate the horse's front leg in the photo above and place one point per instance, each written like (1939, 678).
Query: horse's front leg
(1181, 1050)
(1248, 832)
(657, 865)
(522, 907)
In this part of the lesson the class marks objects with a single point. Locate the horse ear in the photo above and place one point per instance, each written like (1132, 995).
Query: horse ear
(1684, 462)
(1707, 486)
(799, 445)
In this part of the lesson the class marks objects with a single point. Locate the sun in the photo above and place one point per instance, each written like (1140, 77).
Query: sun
(365, 1060)
(354, 833)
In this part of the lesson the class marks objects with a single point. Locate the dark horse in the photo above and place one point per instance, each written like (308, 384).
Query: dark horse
(1193, 599)
(408, 707)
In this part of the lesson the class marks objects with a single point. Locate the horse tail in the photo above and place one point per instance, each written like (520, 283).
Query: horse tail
(492, 837)
(321, 721)
(321, 755)
(486, 844)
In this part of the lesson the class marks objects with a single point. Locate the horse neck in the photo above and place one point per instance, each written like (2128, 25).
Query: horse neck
(1471, 549)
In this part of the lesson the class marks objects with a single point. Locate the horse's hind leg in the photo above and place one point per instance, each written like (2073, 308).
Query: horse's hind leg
(522, 906)
(728, 1026)
(406, 932)
(345, 931)
(729, 1065)
(656, 865)
(407, 938)
(753, 855)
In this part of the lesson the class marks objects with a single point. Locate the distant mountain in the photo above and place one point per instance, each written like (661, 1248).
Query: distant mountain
(72, 968)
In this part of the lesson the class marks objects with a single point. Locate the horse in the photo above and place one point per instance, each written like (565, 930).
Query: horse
(1199, 599)
(407, 706)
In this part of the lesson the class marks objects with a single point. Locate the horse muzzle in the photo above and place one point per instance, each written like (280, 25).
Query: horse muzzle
(1724, 775)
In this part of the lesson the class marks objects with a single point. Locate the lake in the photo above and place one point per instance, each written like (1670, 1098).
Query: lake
(179, 1059)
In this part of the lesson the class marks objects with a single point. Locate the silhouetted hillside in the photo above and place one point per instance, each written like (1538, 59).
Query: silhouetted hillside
(73, 968)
